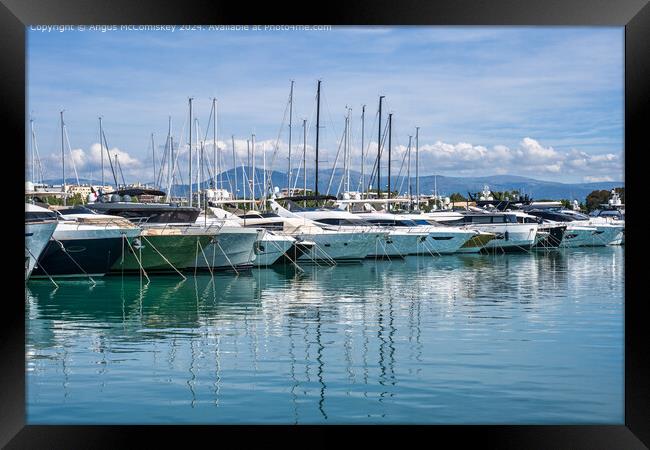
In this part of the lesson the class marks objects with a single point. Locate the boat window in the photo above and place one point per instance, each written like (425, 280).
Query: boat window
(484, 219)
(330, 221)
(37, 216)
(614, 214)
(76, 210)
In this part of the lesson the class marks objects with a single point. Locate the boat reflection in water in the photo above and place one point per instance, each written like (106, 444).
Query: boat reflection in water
(418, 340)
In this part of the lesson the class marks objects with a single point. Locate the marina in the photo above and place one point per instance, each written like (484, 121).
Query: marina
(399, 236)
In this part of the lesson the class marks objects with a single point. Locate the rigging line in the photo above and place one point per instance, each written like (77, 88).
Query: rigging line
(119, 166)
(109, 158)
(277, 145)
(175, 162)
(329, 184)
(400, 181)
(374, 170)
(38, 157)
(163, 163)
(309, 123)
(74, 166)
(364, 152)
(223, 161)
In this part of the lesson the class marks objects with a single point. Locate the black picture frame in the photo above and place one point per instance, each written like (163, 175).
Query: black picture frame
(633, 14)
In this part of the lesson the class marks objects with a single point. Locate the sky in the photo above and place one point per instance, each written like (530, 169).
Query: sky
(542, 102)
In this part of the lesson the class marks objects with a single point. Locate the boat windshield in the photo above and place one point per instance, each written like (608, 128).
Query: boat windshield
(76, 210)
(338, 221)
(614, 214)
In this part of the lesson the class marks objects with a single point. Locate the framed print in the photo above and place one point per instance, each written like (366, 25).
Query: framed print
(412, 216)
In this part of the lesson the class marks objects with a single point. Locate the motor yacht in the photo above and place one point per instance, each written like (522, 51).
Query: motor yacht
(84, 244)
(40, 223)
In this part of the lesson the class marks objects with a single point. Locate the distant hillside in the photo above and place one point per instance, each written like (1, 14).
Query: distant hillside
(537, 189)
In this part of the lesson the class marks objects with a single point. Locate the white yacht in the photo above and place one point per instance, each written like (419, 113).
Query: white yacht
(582, 230)
(270, 247)
(84, 244)
(443, 239)
(40, 223)
(510, 235)
(232, 247)
(342, 243)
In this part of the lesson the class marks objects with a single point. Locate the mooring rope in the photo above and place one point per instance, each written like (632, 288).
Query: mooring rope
(73, 260)
(163, 256)
(227, 259)
(207, 263)
(287, 256)
(139, 260)
(36, 262)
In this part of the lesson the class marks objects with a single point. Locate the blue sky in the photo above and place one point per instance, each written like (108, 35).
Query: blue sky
(545, 102)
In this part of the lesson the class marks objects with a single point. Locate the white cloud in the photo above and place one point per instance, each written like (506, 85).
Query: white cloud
(597, 179)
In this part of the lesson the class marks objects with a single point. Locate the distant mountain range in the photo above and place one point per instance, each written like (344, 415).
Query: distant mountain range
(537, 189)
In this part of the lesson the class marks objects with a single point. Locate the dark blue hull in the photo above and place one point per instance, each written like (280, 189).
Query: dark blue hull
(95, 256)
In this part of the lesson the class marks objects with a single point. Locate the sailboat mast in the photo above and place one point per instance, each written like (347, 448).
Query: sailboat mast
(199, 153)
(217, 163)
(234, 163)
(171, 156)
(379, 151)
(345, 151)
(390, 134)
(417, 167)
(363, 129)
(173, 174)
(408, 174)
(190, 155)
(304, 158)
(253, 169)
(248, 168)
(63, 161)
(349, 150)
(101, 148)
(317, 130)
(31, 127)
(153, 153)
(290, 127)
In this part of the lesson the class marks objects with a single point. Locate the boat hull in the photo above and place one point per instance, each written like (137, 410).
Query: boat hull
(598, 236)
(399, 245)
(339, 247)
(443, 242)
(553, 238)
(270, 249)
(179, 250)
(509, 237)
(37, 235)
(94, 257)
(231, 248)
(475, 243)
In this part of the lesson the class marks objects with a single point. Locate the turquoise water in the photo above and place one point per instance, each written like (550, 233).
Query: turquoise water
(463, 339)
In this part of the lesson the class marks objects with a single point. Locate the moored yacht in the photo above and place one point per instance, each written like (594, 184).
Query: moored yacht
(153, 210)
(510, 235)
(232, 246)
(341, 243)
(164, 248)
(40, 223)
(582, 230)
(84, 244)
(270, 246)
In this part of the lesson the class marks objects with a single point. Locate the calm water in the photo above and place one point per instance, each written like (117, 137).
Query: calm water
(462, 339)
